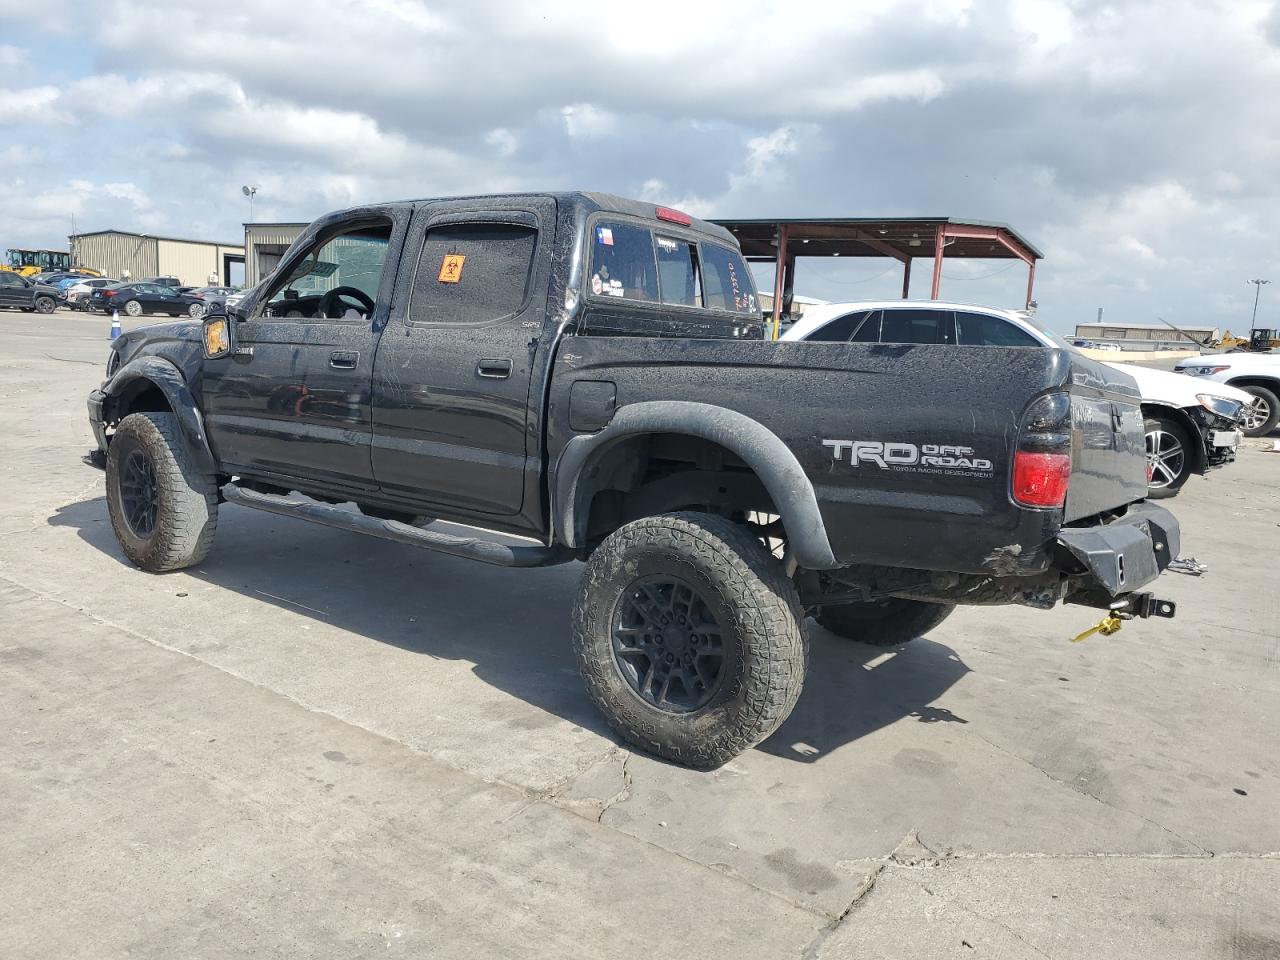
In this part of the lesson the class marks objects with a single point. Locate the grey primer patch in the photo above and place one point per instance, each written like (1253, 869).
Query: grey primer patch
(335, 756)
(1004, 559)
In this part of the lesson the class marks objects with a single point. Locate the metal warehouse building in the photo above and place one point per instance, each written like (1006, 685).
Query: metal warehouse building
(193, 262)
(264, 245)
(1140, 336)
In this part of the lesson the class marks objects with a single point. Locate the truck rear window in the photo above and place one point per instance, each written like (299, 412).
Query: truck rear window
(633, 262)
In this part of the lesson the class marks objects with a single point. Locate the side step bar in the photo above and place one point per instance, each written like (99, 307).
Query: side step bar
(473, 548)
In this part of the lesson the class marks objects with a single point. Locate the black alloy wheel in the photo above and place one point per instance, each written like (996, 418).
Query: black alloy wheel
(668, 644)
(139, 494)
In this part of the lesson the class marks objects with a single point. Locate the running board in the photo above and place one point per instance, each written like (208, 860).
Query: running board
(472, 548)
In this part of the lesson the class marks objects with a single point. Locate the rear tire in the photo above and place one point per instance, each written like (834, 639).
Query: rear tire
(1265, 414)
(883, 623)
(688, 637)
(1168, 456)
(163, 509)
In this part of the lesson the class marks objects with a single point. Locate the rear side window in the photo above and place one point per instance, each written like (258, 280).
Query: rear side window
(473, 272)
(917, 326)
(622, 262)
(678, 272)
(726, 282)
(841, 329)
(983, 330)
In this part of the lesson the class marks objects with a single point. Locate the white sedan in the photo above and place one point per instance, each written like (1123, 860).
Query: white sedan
(1191, 426)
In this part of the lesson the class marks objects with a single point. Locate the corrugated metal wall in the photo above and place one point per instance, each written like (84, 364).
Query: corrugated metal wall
(191, 262)
(258, 263)
(114, 253)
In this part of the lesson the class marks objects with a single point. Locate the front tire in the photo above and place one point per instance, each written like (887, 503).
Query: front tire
(195, 311)
(163, 509)
(1168, 457)
(45, 305)
(883, 623)
(689, 638)
(133, 308)
(1261, 418)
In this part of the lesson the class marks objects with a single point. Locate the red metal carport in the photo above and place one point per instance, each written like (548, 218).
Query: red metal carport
(902, 238)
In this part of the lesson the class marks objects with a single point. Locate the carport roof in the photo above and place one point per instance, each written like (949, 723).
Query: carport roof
(899, 237)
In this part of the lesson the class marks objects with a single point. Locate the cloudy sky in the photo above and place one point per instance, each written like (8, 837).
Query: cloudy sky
(1138, 144)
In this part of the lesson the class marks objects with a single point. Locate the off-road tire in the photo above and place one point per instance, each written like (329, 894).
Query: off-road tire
(45, 305)
(1154, 426)
(1273, 410)
(133, 308)
(187, 499)
(883, 623)
(763, 636)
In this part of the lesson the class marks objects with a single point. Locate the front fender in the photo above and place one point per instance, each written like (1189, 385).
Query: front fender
(771, 460)
(151, 371)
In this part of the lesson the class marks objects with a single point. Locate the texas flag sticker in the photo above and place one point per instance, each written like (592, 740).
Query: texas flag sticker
(604, 235)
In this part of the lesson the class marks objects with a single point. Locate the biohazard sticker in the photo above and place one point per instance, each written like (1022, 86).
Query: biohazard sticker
(451, 267)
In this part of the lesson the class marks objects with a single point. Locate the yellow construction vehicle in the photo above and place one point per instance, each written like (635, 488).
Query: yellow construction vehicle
(1260, 340)
(30, 262)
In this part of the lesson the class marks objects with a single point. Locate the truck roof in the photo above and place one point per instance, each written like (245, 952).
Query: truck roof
(589, 201)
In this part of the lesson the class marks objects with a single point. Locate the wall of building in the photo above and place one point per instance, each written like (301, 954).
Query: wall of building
(1119, 331)
(194, 263)
(115, 253)
(264, 244)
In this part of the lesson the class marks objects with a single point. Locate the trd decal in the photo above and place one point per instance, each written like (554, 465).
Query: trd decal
(950, 459)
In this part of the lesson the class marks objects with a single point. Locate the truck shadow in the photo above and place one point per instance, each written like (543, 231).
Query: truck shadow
(514, 625)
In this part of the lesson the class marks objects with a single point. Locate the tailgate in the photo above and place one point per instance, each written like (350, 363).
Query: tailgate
(1108, 448)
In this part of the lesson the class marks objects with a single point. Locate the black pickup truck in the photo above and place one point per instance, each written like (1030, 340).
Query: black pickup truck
(591, 375)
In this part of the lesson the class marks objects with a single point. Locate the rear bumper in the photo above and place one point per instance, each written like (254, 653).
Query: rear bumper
(1121, 556)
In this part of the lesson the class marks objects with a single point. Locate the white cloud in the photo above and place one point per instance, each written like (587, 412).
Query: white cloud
(585, 121)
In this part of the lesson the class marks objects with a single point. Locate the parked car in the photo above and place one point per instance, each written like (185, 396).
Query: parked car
(136, 299)
(78, 293)
(1257, 374)
(20, 293)
(233, 300)
(1191, 427)
(591, 372)
(172, 282)
(212, 296)
(1186, 430)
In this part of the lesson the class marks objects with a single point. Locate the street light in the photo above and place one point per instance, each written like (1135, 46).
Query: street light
(1257, 290)
(249, 192)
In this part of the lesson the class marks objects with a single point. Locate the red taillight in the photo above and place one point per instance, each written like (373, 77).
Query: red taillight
(674, 216)
(1042, 459)
(1040, 479)
(108, 293)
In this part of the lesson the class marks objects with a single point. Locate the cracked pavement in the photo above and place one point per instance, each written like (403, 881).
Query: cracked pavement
(318, 745)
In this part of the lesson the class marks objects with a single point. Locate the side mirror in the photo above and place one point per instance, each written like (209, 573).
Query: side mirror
(219, 336)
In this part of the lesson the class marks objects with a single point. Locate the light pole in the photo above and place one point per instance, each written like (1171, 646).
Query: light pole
(249, 192)
(1257, 290)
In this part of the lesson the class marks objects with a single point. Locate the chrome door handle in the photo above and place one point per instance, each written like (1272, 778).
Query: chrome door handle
(344, 359)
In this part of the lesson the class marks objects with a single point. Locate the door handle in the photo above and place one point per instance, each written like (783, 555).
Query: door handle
(494, 369)
(344, 359)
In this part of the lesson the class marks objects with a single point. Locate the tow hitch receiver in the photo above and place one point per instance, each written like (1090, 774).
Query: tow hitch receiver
(1142, 605)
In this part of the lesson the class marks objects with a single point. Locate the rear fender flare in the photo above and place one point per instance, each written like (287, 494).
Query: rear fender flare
(761, 449)
(137, 375)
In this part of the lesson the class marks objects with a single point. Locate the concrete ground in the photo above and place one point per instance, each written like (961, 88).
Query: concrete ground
(318, 745)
